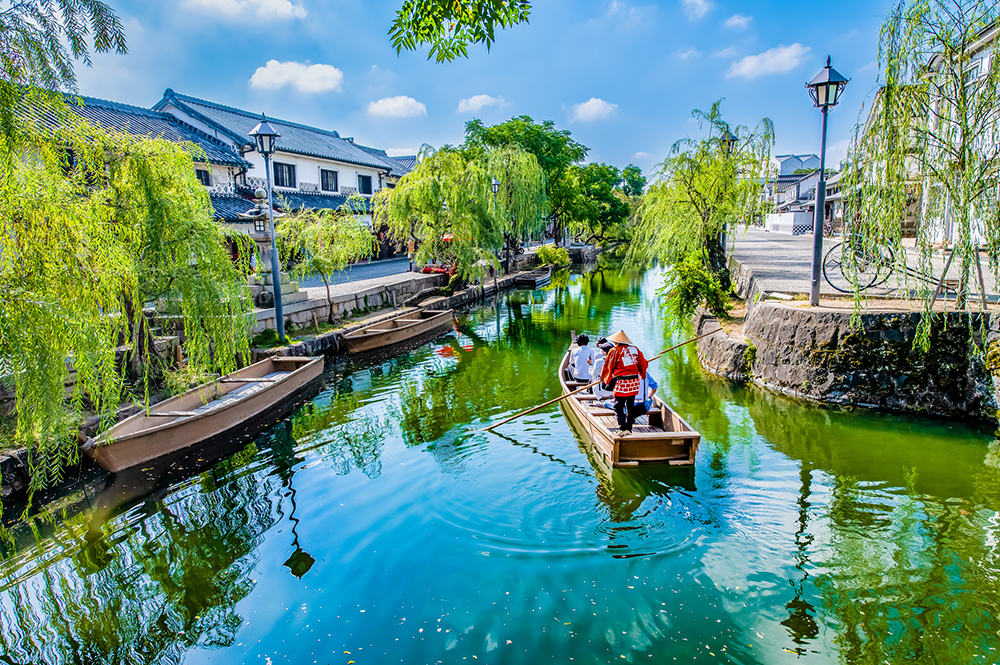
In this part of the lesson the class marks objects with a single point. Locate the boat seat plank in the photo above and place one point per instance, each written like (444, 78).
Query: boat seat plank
(248, 379)
(173, 414)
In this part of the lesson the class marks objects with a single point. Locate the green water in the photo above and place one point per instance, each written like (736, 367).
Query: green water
(374, 526)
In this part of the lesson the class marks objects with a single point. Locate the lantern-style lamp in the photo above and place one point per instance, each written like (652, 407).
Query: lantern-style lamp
(266, 140)
(825, 91)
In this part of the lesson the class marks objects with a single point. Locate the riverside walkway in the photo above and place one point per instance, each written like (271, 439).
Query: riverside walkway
(783, 263)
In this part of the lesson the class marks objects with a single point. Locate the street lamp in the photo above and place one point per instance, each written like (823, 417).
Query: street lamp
(728, 141)
(267, 139)
(825, 91)
(495, 185)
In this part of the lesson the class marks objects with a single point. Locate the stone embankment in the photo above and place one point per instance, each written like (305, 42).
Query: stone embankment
(816, 353)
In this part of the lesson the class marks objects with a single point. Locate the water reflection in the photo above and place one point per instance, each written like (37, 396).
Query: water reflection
(374, 520)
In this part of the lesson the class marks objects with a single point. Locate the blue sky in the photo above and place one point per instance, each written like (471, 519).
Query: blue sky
(623, 77)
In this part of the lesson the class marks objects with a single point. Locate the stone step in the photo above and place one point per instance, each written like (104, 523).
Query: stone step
(289, 298)
(269, 278)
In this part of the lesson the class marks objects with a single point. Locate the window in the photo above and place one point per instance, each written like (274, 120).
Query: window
(328, 180)
(284, 175)
(364, 184)
(204, 176)
(260, 225)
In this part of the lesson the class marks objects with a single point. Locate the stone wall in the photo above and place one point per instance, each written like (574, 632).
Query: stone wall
(816, 354)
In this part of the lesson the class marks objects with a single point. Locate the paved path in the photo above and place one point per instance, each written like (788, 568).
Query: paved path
(361, 285)
(783, 263)
(361, 271)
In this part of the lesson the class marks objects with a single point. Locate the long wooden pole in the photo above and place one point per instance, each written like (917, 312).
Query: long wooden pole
(559, 399)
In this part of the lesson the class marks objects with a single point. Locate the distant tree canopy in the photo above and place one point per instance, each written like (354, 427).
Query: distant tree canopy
(449, 26)
(633, 181)
(447, 208)
(584, 199)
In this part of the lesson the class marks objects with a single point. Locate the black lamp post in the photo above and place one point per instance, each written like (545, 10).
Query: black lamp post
(267, 140)
(728, 140)
(825, 91)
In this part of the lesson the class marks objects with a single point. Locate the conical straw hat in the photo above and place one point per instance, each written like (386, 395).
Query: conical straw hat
(620, 338)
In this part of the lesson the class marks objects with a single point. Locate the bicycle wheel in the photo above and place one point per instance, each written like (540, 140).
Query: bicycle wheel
(849, 266)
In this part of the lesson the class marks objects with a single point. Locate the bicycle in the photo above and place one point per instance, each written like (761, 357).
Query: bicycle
(854, 264)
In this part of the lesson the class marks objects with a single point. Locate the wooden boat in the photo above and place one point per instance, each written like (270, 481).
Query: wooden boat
(408, 325)
(202, 413)
(534, 279)
(661, 436)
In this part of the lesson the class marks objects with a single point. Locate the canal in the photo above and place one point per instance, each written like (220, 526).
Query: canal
(373, 525)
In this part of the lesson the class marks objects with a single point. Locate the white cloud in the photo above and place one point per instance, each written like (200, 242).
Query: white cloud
(302, 77)
(726, 52)
(615, 7)
(772, 61)
(592, 109)
(260, 9)
(695, 9)
(836, 152)
(688, 54)
(400, 152)
(477, 102)
(640, 155)
(738, 21)
(396, 107)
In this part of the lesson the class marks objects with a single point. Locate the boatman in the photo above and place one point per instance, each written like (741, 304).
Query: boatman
(623, 371)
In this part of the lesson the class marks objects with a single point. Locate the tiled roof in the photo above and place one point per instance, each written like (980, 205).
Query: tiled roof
(295, 138)
(298, 200)
(143, 122)
(229, 206)
(409, 161)
(396, 167)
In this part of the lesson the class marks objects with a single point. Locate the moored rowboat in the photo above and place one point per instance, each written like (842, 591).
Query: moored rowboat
(408, 325)
(533, 279)
(202, 413)
(661, 436)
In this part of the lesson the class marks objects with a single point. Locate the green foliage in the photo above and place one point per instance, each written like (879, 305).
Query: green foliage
(446, 207)
(704, 187)
(687, 286)
(928, 148)
(633, 181)
(550, 255)
(326, 241)
(449, 26)
(85, 244)
(185, 378)
(602, 212)
(557, 154)
(749, 356)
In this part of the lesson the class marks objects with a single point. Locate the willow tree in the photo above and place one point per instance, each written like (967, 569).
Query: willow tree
(704, 187)
(94, 225)
(326, 241)
(932, 141)
(446, 208)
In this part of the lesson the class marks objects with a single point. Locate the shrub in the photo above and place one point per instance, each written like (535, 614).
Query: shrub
(550, 255)
(687, 286)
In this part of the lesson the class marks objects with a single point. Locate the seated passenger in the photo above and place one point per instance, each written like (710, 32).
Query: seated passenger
(581, 360)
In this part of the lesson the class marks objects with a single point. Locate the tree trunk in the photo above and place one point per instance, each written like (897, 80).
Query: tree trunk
(717, 262)
(329, 298)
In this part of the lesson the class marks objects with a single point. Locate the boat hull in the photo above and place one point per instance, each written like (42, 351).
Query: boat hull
(397, 330)
(533, 280)
(670, 440)
(145, 436)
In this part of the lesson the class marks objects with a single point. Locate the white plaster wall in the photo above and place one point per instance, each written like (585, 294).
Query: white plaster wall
(307, 170)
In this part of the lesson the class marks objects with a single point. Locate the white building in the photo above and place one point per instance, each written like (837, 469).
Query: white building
(311, 167)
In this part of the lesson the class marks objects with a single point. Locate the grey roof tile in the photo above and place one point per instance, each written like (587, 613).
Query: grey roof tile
(295, 138)
(139, 121)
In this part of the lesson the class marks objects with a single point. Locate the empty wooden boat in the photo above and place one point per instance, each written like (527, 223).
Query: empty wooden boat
(202, 413)
(408, 325)
(661, 436)
(534, 279)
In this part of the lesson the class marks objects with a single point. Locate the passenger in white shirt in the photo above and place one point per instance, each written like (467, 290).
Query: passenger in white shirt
(581, 360)
(603, 346)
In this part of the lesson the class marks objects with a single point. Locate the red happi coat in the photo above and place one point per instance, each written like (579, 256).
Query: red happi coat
(624, 360)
